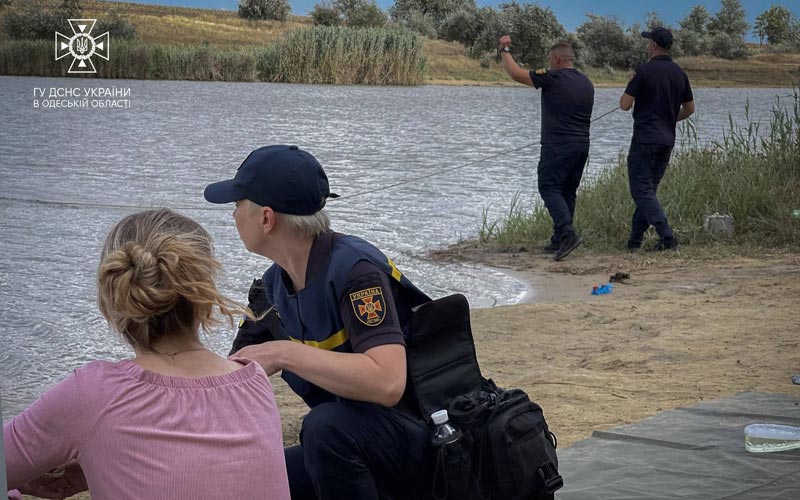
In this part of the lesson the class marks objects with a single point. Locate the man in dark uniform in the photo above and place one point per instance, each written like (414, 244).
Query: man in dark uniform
(567, 100)
(663, 97)
(338, 338)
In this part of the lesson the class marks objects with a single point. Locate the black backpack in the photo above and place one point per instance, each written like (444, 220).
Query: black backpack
(513, 450)
(506, 451)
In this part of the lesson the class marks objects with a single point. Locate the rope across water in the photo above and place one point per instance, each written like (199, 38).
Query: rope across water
(34, 201)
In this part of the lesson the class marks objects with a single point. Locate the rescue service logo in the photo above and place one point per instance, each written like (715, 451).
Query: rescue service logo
(368, 305)
(82, 46)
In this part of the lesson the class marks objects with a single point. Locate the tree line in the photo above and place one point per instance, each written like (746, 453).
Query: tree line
(599, 41)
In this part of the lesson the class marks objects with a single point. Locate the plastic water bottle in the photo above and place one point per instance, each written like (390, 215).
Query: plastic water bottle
(444, 433)
(762, 438)
(453, 465)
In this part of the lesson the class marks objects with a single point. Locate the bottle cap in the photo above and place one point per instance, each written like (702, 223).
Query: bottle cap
(440, 417)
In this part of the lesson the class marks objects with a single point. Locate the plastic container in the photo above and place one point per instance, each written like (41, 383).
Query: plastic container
(443, 432)
(719, 225)
(763, 438)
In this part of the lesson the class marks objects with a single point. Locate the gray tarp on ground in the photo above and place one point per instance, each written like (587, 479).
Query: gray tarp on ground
(688, 453)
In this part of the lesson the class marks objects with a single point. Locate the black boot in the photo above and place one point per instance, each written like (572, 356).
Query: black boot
(568, 244)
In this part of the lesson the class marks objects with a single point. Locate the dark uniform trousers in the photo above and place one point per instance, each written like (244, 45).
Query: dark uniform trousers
(352, 450)
(646, 166)
(559, 175)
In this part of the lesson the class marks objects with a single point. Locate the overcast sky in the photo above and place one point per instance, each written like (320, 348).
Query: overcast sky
(570, 13)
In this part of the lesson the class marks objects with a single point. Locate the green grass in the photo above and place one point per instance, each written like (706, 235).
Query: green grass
(756, 180)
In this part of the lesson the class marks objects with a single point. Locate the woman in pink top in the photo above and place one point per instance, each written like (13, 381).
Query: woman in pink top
(175, 422)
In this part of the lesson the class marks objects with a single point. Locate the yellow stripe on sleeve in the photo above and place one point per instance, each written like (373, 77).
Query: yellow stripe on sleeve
(396, 274)
(328, 344)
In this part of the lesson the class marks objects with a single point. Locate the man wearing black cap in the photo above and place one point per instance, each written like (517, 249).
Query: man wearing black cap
(338, 337)
(663, 97)
(567, 100)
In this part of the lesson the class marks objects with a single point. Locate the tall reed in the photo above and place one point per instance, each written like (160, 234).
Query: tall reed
(317, 55)
(136, 60)
(752, 176)
(341, 55)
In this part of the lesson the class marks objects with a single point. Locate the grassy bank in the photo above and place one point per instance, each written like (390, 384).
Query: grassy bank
(184, 25)
(226, 37)
(754, 179)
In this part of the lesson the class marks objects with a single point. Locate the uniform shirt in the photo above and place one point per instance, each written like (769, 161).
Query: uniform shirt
(363, 275)
(567, 101)
(660, 87)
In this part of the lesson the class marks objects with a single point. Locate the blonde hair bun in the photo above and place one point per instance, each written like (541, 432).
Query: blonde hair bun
(156, 278)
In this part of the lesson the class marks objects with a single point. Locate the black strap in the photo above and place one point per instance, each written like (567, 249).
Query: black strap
(551, 479)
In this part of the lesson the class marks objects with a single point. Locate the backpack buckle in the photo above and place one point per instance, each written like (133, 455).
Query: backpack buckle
(550, 477)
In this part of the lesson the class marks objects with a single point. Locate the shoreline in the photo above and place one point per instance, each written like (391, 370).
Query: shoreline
(699, 84)
(542, 286)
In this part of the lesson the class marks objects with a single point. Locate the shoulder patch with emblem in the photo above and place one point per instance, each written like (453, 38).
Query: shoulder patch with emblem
(368, 304)
(540, 71)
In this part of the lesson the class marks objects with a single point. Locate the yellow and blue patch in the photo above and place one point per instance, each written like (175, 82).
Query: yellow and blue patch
(540, 71)
(368, 305)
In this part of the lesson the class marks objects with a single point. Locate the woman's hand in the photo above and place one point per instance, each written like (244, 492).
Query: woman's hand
(67, 481)
(268, 355)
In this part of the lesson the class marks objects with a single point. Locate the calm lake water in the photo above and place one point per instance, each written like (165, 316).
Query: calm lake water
(69, 174)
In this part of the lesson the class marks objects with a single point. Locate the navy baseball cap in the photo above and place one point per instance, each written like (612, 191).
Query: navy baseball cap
(285, 178)
(661, 36)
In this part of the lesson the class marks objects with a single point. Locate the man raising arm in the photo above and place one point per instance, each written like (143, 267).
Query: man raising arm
(567, 101)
